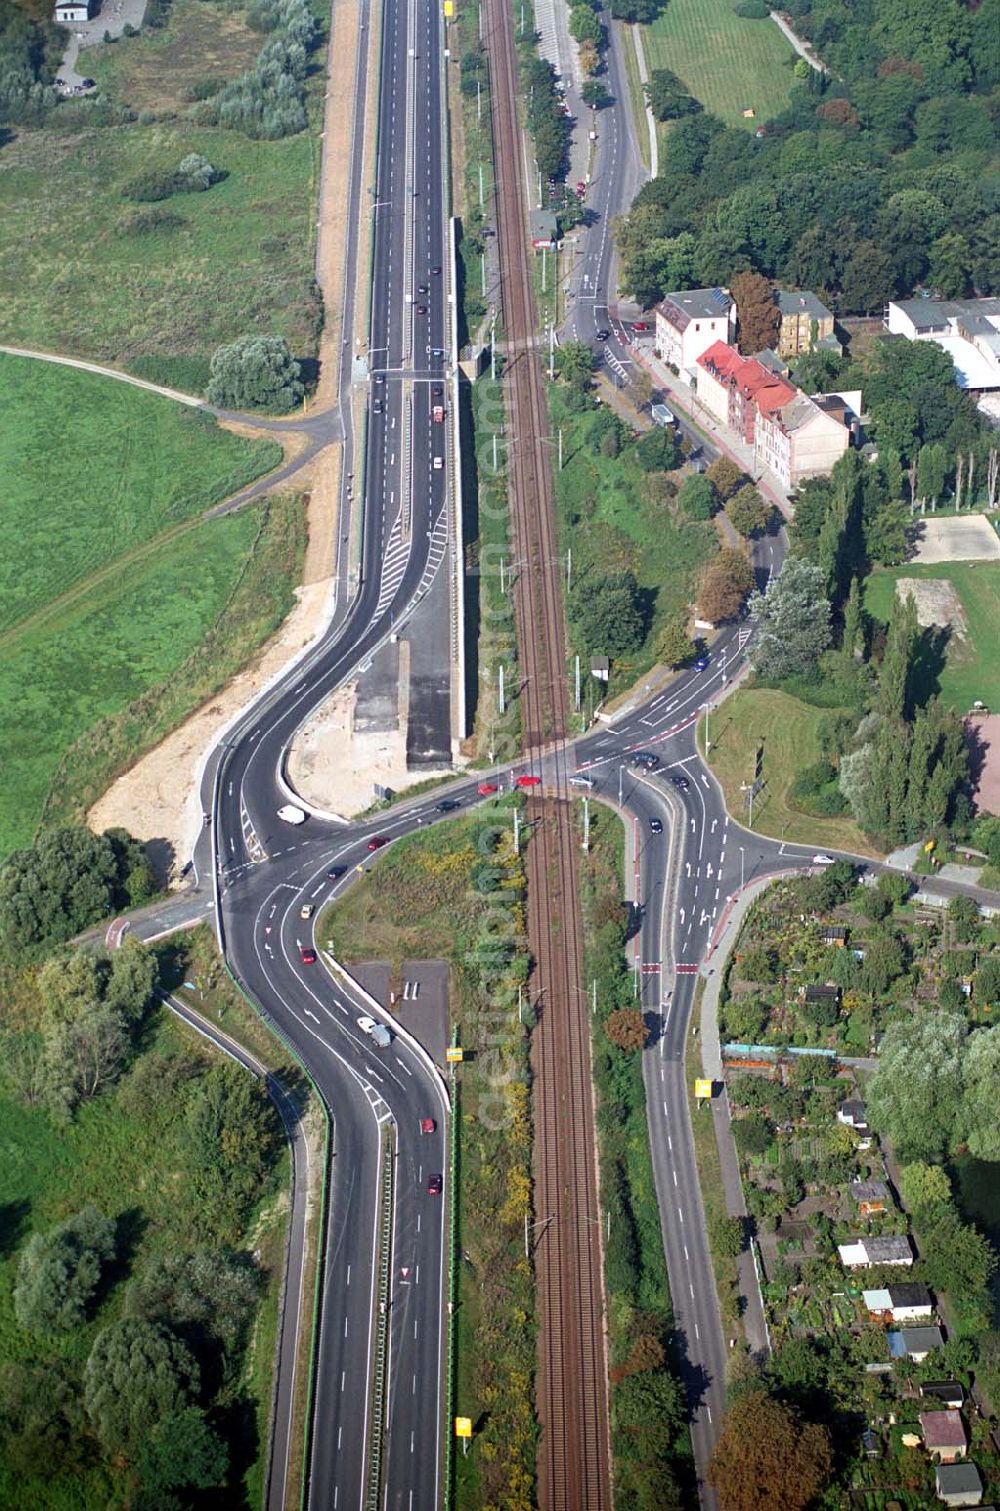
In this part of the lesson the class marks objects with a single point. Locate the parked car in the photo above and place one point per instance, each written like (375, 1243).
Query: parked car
(640, 325)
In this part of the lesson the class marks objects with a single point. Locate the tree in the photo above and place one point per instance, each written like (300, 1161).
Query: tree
(767, 1456)
(255, 372)
(724, 586)
(757, 313)
(584, 25)
(41, 1420)
(980, 1069)
(649, 1407)
(576, 364)
(593, 92)
(207, 1293)
(137, 1374)
(657, 450)
(60, 1271)
(608, 614)
(958, 1258)
(901, 640)
(697, 497)
(726, 476)
(748, 513)
(932, 471)
(753, 1134)
(67, 880)
(183, 1452)
(84, 1056)
(868, 279)
(793, 622)
(915, 1095)
(673, 644)
(230, 1141)
(925, 1190)
(626, 1029)
(669, 99)
(726, 1235)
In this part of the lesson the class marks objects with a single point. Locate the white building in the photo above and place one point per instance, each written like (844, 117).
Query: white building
(72, 10)
(689, 322)
(967, 329)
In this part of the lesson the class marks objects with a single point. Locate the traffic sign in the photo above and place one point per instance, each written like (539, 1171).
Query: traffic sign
(453, 1055)
(703, 1088)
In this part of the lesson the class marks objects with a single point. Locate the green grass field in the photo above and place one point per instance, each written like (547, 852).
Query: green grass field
(729, 64)
(607, 517)
(786, 728)
(72, 279)
(972, 666)
(121, 1155)
(111, 583)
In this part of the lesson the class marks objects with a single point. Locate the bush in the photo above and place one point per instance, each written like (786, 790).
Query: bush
(60, 1271)
(145, 222)
(147, 188)
(697, 497)
(753, 1134)
(255, 372)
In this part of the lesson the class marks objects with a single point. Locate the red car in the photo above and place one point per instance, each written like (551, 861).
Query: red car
(428, 1125)
(377, 841)
(308, 954)
(485, 788)
(529, 781)
(435, 1185)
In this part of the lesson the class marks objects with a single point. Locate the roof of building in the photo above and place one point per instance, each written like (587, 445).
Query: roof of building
(544, 223)
(852, 1109)
(869, 1190)
(802, 302)
(920, 1340)
(910, 1293)
(833, 931)
(877, 1300)
(754, 381)
(943, 1429)
(887, 1250)
(957, 1477)
(694, 304)
(820, 993)
(772, 362)
(944, 1390)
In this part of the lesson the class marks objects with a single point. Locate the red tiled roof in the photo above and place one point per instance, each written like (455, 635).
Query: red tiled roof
(768, 391)
(943, 1429)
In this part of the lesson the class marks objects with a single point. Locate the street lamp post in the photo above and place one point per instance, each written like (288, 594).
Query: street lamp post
(742, 861)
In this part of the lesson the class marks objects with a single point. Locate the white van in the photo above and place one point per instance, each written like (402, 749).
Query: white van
(377, 1032)
(289, 814)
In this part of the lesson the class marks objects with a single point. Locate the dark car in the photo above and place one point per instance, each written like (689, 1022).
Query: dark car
(422, 288)
(380, 377)
(701, 664)
(681, 783)
(435, 1185)
(448, 805)
(646, 759)
(308, 954)
(421, 309)
(88, 84)
(436, 272)
(377, 406)
(336, 872)
(603, 335)
(377, 841)
(437, 390)
(656, 825)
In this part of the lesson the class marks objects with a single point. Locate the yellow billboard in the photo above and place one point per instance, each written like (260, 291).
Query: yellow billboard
(703, 1088)
(453, 1055)
(463, 1427)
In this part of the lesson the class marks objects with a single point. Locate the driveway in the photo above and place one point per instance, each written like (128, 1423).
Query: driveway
(112, 17)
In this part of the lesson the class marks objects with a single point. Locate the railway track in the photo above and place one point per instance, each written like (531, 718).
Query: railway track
(572, 1401)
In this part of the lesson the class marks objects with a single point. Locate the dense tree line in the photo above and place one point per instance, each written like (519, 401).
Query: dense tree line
(269, 101)
(66, 881)
(25, 94)
(879, 176)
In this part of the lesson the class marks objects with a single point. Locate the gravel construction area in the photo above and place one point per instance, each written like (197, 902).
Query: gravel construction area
(937, 603)
(969, 537)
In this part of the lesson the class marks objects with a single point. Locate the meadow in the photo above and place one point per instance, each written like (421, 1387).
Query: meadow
(76, 275)
(112, 585)
(728, 63)
(971, 667)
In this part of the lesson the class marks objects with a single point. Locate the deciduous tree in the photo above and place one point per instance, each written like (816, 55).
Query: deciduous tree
(793, 618)
(915, 1095)
(767, 1456)
(60, 1271)
(137, 1374)
(626, 1029)
(758, 314)
(747, 511)
(255, 372)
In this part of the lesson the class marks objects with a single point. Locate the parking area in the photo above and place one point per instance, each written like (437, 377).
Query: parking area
(110, 17)
(418, 999)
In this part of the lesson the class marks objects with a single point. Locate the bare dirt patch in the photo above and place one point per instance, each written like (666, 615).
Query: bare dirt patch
(967, 538)
(937, 603)
(985, 728)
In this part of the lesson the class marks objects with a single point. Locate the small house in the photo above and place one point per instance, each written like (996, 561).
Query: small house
(914, 1343)
(866, 1253)
(958, 1484)
(870, 1196)
(834, 934)
(944, 1435)
(899, 1303)
(544, 230)
(854, 1115)
(72, 10)
(805, 321)
(824, 993)
(948, 1392)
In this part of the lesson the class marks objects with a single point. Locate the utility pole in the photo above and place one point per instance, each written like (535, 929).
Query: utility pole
(552, 347)
(517, 832)
(503, 590)
(620, 771)
(577, 699)
(560, 448)
(544, 254)
(742, 861)
(569, 568)
(480, 179)
(502, 698)
(586, 823)
(708, 743)
(482, 268)
(494, 451)
(493, 348)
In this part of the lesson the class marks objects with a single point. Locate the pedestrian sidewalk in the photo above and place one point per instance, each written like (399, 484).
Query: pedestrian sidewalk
(754, 1322)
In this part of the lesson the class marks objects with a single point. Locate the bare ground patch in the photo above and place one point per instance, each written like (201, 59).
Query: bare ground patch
(964, 538)
(937, 603)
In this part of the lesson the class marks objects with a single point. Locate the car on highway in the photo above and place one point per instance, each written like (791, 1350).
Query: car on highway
(437, 351)
(308, 954)
(377, 841)
(421, 309)
(289, 814)
(701, 664)
(528, 781)
(438, 391)
(681, 783)
(656, 825)
(422, 288)
(438, 463)
(428, 1125)
(380, 377)
(307, 910)
(336, 872)
(448, 805)
(377, 406)
(645, 759)
(486, 788)
(377, 1032)
(435, 1185)
(823, 860)
(435, 272)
